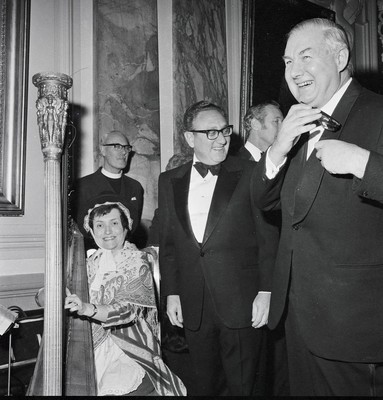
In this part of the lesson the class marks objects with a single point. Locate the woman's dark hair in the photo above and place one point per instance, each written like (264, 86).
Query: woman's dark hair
(105, 209)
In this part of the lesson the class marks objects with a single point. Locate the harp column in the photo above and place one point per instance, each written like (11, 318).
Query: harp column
(51, 107)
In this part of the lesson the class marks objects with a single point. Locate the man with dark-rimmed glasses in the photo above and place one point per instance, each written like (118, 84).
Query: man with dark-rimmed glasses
(110, 179)
(213, 257)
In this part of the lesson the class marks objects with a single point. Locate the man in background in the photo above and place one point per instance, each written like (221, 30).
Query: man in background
(261, 125)
(110, 179)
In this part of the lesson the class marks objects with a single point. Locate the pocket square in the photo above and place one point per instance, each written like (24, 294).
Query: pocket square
(133, 198)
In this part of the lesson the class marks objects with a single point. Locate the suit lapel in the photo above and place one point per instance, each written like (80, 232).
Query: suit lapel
(295, 169)
(307, 187)
(313, 171)
(180, 193)
(226, 184)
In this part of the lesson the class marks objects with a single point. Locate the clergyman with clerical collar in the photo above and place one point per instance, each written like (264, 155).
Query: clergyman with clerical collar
(110, 179)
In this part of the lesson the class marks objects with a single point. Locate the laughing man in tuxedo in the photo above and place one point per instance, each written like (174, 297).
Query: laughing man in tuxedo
(213, 257)
(328, 180)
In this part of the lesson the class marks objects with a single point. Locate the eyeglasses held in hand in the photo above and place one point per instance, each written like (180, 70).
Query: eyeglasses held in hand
(212, 134)
(328, 122)
(119, 147)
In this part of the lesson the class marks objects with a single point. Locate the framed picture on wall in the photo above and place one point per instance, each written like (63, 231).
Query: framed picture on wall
(265, 26)
(14, 41)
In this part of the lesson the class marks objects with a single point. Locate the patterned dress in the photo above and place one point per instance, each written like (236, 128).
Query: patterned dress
(126, 345)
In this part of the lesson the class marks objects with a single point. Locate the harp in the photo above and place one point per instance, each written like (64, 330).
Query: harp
(65, 363)
(79, 370)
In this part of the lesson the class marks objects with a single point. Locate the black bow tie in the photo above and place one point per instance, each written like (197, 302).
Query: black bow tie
(203, 169)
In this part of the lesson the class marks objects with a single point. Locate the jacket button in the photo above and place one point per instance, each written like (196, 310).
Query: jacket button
(296, 227)
(202, 253)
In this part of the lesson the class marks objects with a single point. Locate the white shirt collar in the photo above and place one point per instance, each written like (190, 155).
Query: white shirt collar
(110, 174)
(329, 107)
(253, 150)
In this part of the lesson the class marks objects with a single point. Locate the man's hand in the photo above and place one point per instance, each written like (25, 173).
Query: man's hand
(261, 306)
(174, 311)
(297, 121)
(339, 157)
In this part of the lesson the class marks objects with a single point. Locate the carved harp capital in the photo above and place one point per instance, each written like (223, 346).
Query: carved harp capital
(52, 105)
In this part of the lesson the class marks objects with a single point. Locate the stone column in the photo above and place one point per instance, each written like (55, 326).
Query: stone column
(51, 118)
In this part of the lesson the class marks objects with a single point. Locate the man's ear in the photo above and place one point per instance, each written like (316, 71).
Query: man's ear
(189, 137)
(102, 150)
(255, 124)
(342, 59)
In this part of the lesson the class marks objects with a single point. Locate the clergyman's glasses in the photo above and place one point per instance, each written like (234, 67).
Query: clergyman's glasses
(119, 147)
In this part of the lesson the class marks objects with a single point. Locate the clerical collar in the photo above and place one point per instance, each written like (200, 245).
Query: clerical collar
(111, 174)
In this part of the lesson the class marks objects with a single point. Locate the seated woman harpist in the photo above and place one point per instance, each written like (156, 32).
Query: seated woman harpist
(122, 310)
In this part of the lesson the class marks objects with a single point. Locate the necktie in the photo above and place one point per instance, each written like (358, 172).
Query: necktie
(203, 169)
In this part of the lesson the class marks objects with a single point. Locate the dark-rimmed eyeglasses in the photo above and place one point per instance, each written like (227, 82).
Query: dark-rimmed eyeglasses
(119, 147)
(328, 122)
(212, 134)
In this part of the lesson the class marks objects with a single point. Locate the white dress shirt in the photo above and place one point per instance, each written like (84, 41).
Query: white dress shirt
(254, 151)
(328, 108)
(199, 200)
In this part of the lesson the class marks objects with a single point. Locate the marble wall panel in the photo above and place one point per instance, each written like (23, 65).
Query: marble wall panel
(127, 95)
(200, 59)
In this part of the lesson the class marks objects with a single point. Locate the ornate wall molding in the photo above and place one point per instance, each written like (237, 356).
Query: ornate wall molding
(20, 290)
(165, 71)
(17, 247)
(233, 9)
(380, 33)
(14, 55)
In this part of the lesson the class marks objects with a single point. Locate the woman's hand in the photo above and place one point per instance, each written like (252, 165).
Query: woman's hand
(74, 303)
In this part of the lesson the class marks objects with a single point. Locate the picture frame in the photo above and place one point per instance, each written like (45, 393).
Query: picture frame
(265, 24)
(14, 50)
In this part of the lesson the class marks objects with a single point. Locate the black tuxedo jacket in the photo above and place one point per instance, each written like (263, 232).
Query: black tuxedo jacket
(331, 244)
(274, 216)
(234, 260)
(244, 154)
